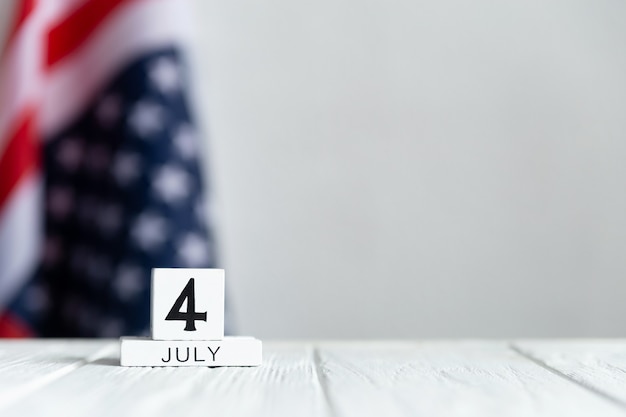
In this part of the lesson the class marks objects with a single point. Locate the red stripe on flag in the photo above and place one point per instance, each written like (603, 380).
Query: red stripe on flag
(71, 32)
(20, 154)
(11, 326)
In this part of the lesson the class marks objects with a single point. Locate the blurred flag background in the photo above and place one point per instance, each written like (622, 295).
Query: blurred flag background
(99, 173)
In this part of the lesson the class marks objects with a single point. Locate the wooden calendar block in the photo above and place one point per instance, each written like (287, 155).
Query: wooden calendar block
(187, 304)
(231, 351)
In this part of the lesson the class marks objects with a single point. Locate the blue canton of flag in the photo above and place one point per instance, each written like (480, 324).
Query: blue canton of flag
(123, 195)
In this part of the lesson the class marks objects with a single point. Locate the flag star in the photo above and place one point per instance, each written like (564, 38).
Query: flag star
(52, 251)
(193, 250)
(98, 159)
(111, 327)
(110, 219)
(149, 231)
(129, 281)
(85, 317)
(37, 299)
(79, 259)
(109, 110)
(165, 74)
(83, 314)
(87, 209)
(73, 308)
(70, 154)
(185, 141)
(126, 168)
(98, 268)
(146, 118)
(201, 212)
(60, 202)
(171, 183)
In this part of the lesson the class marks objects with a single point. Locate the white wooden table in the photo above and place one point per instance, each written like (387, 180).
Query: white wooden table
(408, 378)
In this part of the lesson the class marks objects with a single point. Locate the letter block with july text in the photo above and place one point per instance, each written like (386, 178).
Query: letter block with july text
(187, 323)
(231, 351)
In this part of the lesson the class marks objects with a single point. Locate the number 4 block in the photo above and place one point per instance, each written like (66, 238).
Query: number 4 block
(187, 304)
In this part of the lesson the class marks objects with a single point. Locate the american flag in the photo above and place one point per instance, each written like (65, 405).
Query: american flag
(99, 173)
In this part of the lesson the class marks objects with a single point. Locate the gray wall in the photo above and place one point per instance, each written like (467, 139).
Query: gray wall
(420, 168)
(401, 168)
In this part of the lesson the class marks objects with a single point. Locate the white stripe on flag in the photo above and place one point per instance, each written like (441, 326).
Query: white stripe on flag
(20, 235)
(130, 31)
(19, 76)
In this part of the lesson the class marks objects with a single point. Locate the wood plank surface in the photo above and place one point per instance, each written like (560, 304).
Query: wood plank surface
(449, 379)
(599, 365)
(452, 378)
(286, 385)
(27, 366)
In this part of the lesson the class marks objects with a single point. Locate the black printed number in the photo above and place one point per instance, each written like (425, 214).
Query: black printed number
(191, 315)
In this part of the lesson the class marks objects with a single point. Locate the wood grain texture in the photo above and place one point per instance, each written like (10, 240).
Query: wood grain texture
(286, 384)
(599, 365)
(297, 379)
(28, 366)
(449, 379)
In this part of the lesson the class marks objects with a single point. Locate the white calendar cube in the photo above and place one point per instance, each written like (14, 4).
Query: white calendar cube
(187, 304)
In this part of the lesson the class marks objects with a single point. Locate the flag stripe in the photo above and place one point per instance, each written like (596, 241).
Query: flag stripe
(20, 155)
(21, 73)
(71, 33)
(19, 80)
(20, 185)
(112, 41)
(12, 326)
(21, 231)
(24, 10)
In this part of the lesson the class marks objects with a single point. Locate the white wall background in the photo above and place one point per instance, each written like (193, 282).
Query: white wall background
(403, 168)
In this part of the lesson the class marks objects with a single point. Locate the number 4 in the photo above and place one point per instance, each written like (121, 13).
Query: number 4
(191, 315)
